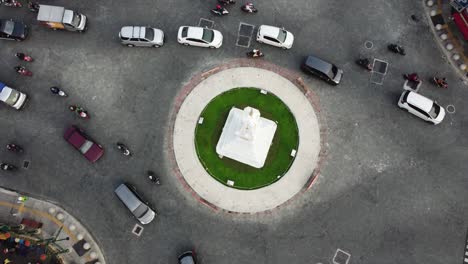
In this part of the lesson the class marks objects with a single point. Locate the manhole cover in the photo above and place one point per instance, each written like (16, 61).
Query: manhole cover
(137, 230)
(246, 29)
(206, 23)
(450, 109)
(243, 41)
(26, 164)
(341, 257)
(368, 44)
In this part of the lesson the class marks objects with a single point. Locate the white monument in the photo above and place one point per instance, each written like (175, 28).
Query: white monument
(246, 137)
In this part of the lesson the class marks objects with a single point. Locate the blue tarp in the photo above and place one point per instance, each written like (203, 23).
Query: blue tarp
(459, 5)
(1, 86)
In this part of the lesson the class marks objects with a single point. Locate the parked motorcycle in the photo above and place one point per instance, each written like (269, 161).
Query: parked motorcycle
(249, 8)
(12, 3)
(33, 7)
(123, 149)
(255, 53)
(58, 91)
(397, 49)
(220, 11)
(365, 63)
(440, 82)
(7, 167)
(24, 57)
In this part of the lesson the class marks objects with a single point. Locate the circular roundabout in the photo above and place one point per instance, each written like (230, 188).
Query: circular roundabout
(246, 139)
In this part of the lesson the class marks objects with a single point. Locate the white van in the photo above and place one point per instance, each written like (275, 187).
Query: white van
(12, 97)
(135, 203)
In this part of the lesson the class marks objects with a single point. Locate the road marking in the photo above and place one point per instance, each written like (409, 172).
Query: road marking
(450, 109)
(137, 230)
(203, 22)
(368, 44)
(341, 257)
(244, 35)
(379, 70)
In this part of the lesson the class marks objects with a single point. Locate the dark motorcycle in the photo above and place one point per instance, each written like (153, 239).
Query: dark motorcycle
(123, 149)
(58, 91)
(153, 178)
(396, 49)
(365, 63)
(7, 167)
(14, 148)
(255, 54)
(249, 8)
(227, 2)
(220, 11)
(33, 7)
(24, 57)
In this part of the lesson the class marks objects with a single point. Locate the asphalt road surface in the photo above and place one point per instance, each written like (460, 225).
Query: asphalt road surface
(392, 189)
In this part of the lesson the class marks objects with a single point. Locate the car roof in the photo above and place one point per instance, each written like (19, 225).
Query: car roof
(125, 194)
(133, 32)
(195, 32)
(269, 31)
(420, 101)
(318, 64)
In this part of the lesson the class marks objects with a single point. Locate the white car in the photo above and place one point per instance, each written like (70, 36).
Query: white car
(275, 36)
(422, 107)
(12, 97)
(200, 37)
(141, 36)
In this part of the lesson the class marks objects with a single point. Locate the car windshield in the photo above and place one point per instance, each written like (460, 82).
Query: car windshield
(7, 27)
(76, 20)
(13, 98)
(141, 210)
(149, 34)
(86, 146)
(208, 35)
(434, 110)
(334, 70)
(282, 35)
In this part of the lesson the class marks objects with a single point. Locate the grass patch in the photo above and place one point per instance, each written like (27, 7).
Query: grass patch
(278, 160)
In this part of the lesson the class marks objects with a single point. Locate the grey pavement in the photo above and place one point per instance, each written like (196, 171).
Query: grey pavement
(392, 189)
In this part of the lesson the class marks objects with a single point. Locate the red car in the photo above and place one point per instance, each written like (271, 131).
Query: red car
(78, 139)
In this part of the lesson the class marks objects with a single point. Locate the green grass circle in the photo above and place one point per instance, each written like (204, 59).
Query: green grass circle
(244, 176)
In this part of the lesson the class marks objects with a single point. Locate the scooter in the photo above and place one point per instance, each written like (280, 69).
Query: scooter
(12, 3)
(24, 57)
(7, 167)
(58, 91)
(22, 70)
(440, 82)
(226, 2)
(397, 49)
(154, 179)
(249, 8)
(123, 149)
(14, 148)
(80, 111)
(365, 63)
(220, 11)
(33, 7)
(255, 54)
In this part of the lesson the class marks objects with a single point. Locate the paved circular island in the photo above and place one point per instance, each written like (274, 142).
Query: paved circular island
(245, 201)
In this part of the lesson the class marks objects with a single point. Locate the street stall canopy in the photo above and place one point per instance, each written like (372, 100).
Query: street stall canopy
(50, 13)
(461, 20)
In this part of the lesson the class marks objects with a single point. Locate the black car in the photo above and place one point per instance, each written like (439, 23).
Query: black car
(12, 30)
(322, 69)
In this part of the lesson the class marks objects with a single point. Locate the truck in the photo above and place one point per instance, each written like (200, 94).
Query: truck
(57, 17)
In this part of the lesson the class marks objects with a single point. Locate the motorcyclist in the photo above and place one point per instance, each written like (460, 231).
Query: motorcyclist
(6, 166)
(153, 178)
(219, 8)
(441, 81)
(20, 69)
(13, 147)
(124, 149)
(413, 77)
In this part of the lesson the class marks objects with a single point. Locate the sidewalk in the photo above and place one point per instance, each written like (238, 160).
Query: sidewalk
(448, 36)
(60, 230)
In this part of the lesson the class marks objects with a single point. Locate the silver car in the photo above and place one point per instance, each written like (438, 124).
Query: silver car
(141, 36)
